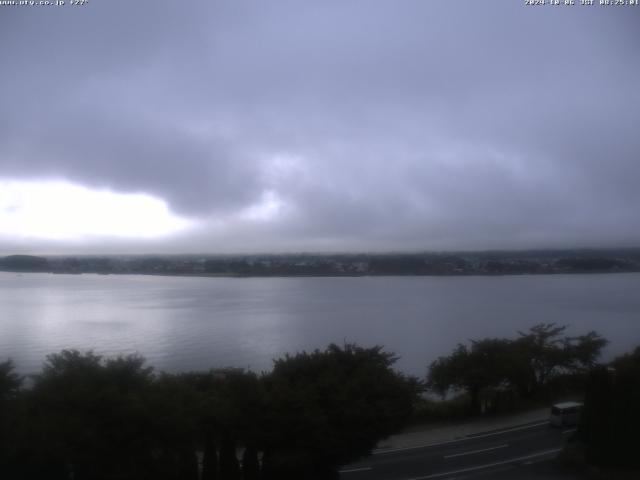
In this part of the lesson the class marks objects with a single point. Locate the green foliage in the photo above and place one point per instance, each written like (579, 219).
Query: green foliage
(583, 351)
(542, 346)
(10, 382)
(331, 407)
(550, 354)
(486, 363)
(93, 418)
(524, 365)
(611, 419)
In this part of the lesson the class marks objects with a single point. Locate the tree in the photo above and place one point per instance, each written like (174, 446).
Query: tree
(209, 458)
(92, 417)
(10, 382)
(583, 351)
(24, 263)
(484, 365)
(596, 423)
(611, 418)
(230, 407)
(547, 353)
(250, 464)
(542, 347)
(229, 465)
(330, 407)
(524, 365)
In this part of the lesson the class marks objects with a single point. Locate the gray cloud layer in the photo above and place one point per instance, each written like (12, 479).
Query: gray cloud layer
(375, 124)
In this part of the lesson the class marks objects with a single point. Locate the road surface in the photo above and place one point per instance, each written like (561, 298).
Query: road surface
(484, 455)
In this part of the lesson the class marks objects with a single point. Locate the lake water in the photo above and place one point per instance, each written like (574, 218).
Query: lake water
(183, 323)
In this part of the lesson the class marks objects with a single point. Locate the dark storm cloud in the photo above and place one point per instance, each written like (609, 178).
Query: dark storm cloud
(379, 125)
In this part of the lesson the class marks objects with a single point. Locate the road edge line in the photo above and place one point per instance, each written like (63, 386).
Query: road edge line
(456, 440)
(471, 452)
(360, 469)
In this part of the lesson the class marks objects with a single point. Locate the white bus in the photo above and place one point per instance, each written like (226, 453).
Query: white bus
(565, 414)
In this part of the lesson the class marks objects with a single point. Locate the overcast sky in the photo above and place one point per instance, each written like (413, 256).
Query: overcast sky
(267, 125)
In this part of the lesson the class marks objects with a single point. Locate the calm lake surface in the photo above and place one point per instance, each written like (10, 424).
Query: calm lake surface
(186, 323)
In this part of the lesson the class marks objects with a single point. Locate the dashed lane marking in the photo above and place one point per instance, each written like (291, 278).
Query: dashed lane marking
(488, 465)
(352, 470)
(476, 451)
(457, 440)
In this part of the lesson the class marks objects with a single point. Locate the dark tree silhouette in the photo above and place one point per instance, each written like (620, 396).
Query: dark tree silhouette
(547, 353)
(485, 364)
(611, 419)
(525, 364)
(92, 418)
(229, 465)
(10, 382)
(250, 464)
(210, 459)
(331, 407)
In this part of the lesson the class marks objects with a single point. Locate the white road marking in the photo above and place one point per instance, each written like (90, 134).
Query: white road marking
(350, 470)
(571, 430)
(488, 465)
(463, 439)
(533, 462)
(476, 451)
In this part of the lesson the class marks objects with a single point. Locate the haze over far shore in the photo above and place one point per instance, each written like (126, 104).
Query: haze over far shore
(249, 253)
(339, 264)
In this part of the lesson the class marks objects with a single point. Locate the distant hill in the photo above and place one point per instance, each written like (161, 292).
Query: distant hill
(24, 263)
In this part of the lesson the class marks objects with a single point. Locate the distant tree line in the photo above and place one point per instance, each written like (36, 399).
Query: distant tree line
(460, 263)
(89, 417)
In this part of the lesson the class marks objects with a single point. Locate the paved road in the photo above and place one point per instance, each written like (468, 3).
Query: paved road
(474, 456)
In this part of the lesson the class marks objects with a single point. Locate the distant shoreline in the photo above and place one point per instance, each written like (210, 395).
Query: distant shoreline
(363, 275)
(532, 262)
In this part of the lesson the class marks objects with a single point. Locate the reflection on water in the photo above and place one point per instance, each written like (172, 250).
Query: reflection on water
(196, 323)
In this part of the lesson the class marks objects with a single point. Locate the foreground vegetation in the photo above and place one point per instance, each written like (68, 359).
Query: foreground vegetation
(611, 421)
(542, 366)
(496, 374)
(88, 417)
